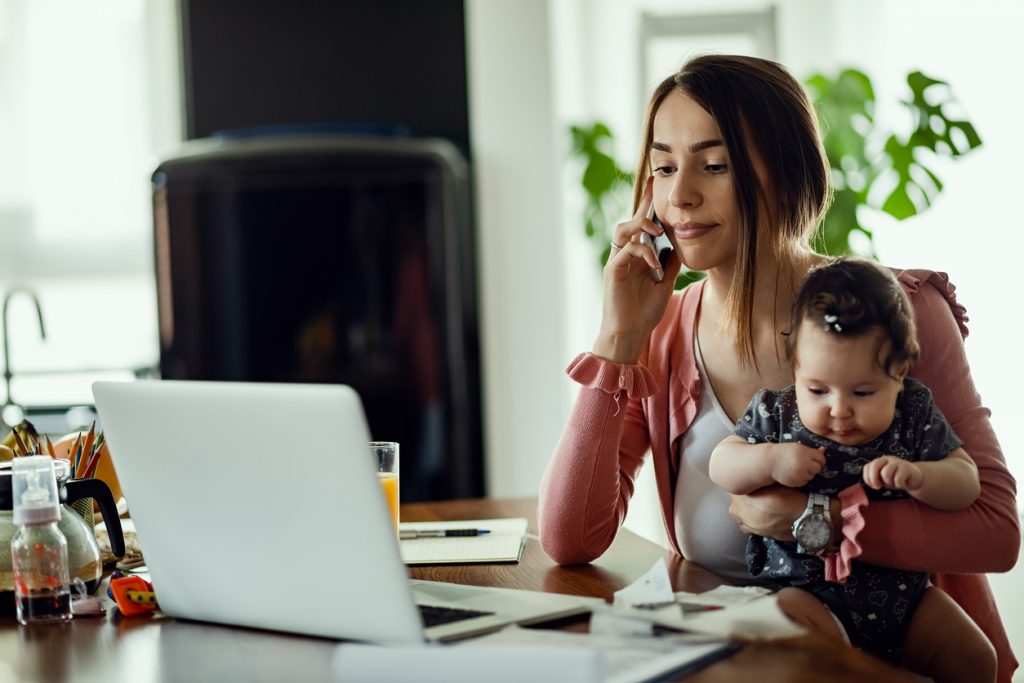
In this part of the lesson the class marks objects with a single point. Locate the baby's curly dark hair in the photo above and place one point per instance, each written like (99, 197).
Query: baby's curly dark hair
(849, 296)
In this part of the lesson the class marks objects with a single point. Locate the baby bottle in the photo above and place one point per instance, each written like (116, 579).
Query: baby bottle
(39, 551)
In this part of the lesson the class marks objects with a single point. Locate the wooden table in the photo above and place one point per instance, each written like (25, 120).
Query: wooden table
(164, 650)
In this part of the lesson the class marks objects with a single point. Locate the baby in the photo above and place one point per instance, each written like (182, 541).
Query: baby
(853, 415)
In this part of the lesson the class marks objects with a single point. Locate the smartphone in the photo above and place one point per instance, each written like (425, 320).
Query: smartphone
(661, 244)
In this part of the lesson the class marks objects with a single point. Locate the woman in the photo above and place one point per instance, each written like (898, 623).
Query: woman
(732, 167)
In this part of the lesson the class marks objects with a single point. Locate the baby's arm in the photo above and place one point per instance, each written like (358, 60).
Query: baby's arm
(947, 484)
(740, 467)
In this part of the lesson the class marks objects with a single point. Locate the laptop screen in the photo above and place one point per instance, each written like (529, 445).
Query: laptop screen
(258, 505)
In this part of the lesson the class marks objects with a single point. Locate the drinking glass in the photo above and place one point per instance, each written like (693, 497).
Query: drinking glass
(386, 455)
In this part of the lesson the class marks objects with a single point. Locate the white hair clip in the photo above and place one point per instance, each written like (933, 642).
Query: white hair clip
(832, 323)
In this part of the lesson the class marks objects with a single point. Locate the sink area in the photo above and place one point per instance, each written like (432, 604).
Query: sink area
(59, 420)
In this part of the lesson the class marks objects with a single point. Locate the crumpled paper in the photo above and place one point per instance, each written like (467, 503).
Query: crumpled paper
(744, 612)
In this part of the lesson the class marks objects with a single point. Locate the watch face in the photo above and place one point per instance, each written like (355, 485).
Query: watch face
(813, 533)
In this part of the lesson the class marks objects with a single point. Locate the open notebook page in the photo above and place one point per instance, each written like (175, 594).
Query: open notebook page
(504, 543)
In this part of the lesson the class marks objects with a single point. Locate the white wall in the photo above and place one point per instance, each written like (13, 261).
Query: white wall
(974, 231)
(515, 158)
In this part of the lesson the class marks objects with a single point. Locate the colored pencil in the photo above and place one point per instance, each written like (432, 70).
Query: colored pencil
(94, 459)
(73, 454)
(19, 443)
(86, 452)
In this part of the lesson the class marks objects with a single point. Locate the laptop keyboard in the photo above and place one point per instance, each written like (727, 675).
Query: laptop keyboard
(435, 616)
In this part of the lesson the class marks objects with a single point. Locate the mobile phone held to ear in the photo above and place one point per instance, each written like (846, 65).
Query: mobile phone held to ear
(661, 245)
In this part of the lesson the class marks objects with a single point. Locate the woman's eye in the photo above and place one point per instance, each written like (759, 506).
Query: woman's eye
(663, 170)
(716, 169)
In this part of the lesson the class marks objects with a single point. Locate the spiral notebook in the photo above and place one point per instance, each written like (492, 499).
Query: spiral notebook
(504, 542)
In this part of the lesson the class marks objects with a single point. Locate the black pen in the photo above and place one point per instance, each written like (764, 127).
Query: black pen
(409, 534)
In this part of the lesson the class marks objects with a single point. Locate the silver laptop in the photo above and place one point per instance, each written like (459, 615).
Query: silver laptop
(258, 505)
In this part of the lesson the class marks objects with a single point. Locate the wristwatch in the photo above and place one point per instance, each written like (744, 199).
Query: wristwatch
(813, 528)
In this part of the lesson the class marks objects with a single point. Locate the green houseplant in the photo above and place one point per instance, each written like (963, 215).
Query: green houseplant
(872, 169)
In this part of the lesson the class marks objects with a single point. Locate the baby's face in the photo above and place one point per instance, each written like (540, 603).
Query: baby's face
(842, 391)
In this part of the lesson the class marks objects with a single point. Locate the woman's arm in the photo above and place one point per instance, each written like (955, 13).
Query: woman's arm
(589, 480)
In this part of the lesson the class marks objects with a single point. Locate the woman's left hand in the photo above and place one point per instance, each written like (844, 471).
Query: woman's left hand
(769, 511)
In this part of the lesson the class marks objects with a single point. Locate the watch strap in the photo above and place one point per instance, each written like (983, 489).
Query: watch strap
(821, 503)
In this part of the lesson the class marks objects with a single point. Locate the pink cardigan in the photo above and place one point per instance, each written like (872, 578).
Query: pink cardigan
(624, 410)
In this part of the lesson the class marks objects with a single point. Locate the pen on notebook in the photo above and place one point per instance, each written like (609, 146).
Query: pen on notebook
(408, 534)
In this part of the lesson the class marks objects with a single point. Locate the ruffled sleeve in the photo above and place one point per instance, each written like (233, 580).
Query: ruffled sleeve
(912, 279)
(586, 488)
(597, 373)
(837, 565)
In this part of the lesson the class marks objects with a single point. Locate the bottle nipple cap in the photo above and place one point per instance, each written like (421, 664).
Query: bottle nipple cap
(34, 490)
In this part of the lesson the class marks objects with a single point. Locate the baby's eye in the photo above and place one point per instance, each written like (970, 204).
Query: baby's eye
(716, 169)
(816, 391)
(863, 393)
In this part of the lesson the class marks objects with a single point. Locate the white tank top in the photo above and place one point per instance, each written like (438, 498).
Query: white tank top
(706, 533)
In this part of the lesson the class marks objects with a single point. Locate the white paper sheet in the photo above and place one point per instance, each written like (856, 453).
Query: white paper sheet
(503, 663)
(723, 596)
(749, 612)
(625, 659)
(758, 619)
(653, 588)
(641, 605)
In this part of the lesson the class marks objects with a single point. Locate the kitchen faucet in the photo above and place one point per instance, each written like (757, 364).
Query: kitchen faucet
(8, 401)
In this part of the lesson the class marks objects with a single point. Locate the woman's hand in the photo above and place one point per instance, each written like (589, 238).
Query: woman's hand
(633, 300)
(769, 511)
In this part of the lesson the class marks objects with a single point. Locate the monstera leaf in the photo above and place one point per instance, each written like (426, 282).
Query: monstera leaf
(859, 159)
(846, 107)
(917, 185)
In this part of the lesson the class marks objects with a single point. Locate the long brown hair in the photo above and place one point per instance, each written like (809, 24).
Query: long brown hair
(756, 103)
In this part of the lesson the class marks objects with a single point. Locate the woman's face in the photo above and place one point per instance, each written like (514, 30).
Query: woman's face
(694, 194)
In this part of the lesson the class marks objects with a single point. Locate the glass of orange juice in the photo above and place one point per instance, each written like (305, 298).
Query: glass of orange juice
(386, 455)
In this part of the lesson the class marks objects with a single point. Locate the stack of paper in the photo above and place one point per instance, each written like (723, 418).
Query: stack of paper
(516, 654)
(749, 612)
(358, 663)
(503, 542)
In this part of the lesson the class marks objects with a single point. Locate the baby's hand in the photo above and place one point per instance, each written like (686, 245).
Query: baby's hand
(795, 464)
(890, 472)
